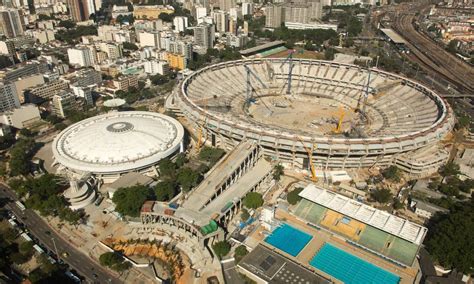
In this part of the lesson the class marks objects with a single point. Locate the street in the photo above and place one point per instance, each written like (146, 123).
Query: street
(49, 239)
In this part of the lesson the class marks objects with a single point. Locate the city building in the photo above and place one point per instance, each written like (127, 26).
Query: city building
(7, 47)
(181, 47)
(21, 84)
(226, 5)
(310, 26)
(84, 56)
(221, 20)
(180, 23)
(176, 61)
(78, 10)
(425, 209)
(62, 102)
(42, 36)
(114, 51)
(201, 12)
(247, 8)
(123, 83)
(87, 77)
(45, 91)
(149, 38)
(154, 67)
(23, 70)
(21, 117)
(113, 144)
(275, 15)
(8, 97)
(10, 22)
(204, 35)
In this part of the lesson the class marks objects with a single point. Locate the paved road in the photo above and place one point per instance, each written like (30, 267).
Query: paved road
(84, 265)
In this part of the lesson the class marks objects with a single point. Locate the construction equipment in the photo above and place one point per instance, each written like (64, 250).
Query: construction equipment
(309, 151)
(361, 104)
(250, 90)
(289, 59)
(341, 114)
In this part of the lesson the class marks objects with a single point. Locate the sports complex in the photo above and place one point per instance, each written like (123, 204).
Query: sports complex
(347, 116)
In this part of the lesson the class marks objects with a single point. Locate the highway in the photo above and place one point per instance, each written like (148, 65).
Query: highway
(429, 55)
(38, 228)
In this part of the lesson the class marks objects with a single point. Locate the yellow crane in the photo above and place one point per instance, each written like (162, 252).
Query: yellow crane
(341, 113)
(310, 151)
(200, 140)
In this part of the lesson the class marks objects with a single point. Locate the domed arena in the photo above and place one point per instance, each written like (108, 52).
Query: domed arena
(117, 142)
(346, 116)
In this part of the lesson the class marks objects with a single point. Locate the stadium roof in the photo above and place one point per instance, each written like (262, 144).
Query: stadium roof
(379, 219)
(396, 38)
(118, 142)
(262, 47)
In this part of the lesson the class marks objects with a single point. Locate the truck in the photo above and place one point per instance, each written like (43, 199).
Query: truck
(20, 205)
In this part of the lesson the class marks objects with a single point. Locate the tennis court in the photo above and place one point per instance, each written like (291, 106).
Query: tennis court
(349, 268)
(309, 211)
(402, 251)
(373, 239)
(288, 239)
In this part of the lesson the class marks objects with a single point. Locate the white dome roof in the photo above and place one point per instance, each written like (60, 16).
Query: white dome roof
(118, 142)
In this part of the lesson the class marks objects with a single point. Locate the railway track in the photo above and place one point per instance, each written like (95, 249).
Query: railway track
(433, 58)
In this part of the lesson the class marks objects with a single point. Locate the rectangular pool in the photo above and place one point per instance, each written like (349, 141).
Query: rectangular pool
(349, 268)
(288, 239)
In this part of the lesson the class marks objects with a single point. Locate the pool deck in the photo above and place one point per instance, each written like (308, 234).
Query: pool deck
(407, 275)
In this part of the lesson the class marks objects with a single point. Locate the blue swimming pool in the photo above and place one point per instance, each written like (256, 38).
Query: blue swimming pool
(288, 239)
(349, 268)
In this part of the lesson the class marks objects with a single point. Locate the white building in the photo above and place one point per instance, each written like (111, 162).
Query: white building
(221, 19)
(114, 51)
(201, 12)
(10, 22)
(8, 97)
(235, 13)
(180, 23)
(149, 38)
(83, 56)
(21, 117)
(310, 26)
(7, 47)
(153, 67)
(204, 35)
(83, 92)
(63, 102)
(247, 8)
(424, 209)
(43, 36)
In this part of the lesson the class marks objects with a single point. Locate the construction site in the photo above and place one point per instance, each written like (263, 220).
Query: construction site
(310, 114)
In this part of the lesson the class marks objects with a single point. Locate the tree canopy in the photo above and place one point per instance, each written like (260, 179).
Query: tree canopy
(188, 178)
(293, 196)
(221, 248)
(381, 195)
(392, 173)
(20, 155)
(253, 200)
(278, 171)
(450, 239)
(211, 155)
(129, 200)
(114, 261)
(165, 190)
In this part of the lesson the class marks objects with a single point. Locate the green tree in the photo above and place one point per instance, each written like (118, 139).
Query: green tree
(450, 169)
(181, 160)
(109, 259)
(26, 248)
(381, 195)
(129, 200)
(329, 53)
(66, 24)
(397, 205)
(450, 240)
(221, 248)
(211, 155)
(187, 178)
(293, 196)
(130, 46)
(253, 200)
(167, 169)
(165, 190)
(240, 252)
(392, 173)
(278, 171)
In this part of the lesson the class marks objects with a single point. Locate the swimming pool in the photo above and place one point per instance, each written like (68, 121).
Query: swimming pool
(349, 268)
(288, 239)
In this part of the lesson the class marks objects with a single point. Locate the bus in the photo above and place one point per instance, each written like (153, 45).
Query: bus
(26, 237)
(20, 205)
(38, 249)
(13, 222)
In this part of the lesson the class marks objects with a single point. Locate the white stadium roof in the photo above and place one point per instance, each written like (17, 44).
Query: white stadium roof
(118, 142)
(379, 219)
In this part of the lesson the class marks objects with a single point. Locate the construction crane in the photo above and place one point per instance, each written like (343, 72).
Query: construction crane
(250, 90)
(289, 59)
(341, 114)
(310, 151)
(200, 137)
(365, 95)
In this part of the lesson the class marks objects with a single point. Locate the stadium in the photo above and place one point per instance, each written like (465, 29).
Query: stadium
(344, 115)
(115, 143)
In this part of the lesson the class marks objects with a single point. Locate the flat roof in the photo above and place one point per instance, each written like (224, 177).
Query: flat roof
(379, 219)
(396, 38)
(258, 48)
(273, 267)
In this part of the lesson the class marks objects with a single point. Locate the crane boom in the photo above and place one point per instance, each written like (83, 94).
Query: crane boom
(250, 73)
(309, 151)
(289, 59)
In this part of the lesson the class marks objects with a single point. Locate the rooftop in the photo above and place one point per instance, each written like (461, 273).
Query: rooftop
(379, 219)
(118, 142)
(396, 38)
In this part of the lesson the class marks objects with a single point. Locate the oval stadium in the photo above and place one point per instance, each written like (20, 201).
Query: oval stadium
(345, 115)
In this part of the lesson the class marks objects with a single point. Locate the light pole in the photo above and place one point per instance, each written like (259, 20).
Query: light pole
(55, 248)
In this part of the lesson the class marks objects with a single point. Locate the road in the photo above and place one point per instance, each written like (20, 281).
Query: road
(78, 261)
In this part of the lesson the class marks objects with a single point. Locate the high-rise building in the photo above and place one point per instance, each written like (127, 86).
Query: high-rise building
(77, 9)
(201, 12)
(154, 67)
(10, 23)
(233, 26)
(274, 16)
(297, 14)
(8, 97)
(247, 8)
(180, 23)
(221, 19)
(181, 47)
(7, 47)
(114, 51)
(204, 35)
(83, 56)
(63, 102)
(149, 38)
(235, 13)
(225, 5)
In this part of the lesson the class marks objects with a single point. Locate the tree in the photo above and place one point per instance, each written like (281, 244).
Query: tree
(211, 155)
(110, 259)
(293, 196)
(397, 205)
(329, 53)
(167, 169)
(392, 173)
(129, 200)
(278, 171)
(240, 252)
(129, 46)
(165, 190)
(67, 24)
(244, 215)
(253, 200)
(221, 248)
(450, 240)
(165, 17)
(381, 195)
(187, 178)
(26, 248)
(181, 160)
(450, 169)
